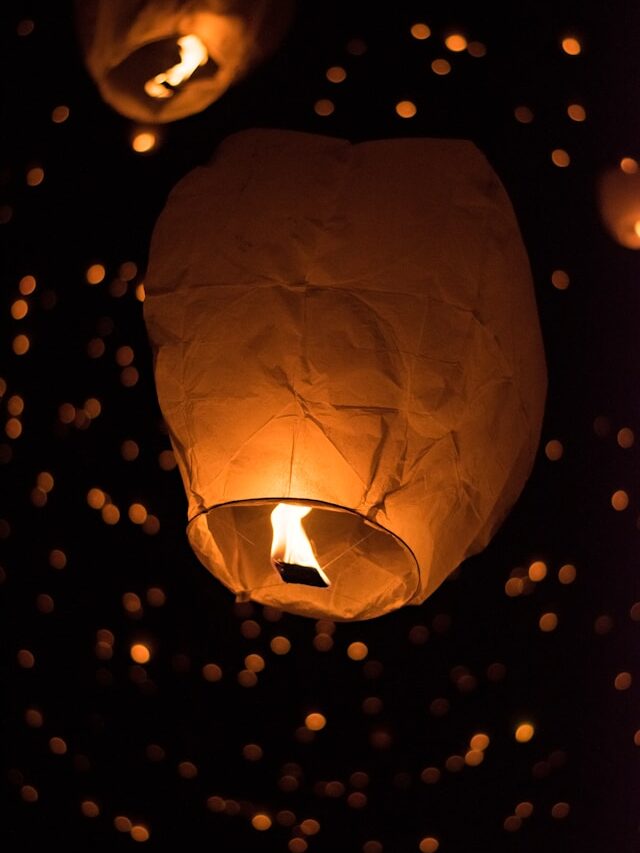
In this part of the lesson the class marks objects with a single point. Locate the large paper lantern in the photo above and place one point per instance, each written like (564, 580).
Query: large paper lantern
(161, 60)
(619, 197)
(348, 357)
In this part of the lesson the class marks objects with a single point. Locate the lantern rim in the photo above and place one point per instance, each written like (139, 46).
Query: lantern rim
(413, 566)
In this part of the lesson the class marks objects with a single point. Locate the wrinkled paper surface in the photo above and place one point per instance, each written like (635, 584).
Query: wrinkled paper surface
(349, 324)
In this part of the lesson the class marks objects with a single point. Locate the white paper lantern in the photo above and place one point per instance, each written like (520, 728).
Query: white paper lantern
(350, 328)
(161, 60)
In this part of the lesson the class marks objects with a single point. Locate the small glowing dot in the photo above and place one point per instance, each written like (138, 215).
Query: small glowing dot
(473, 757)
(406, 109)
(571, 46)
(280, 645)
(140, 653)
(156, 597)
(560, 810)
(45, 481)
(567, 574)
(250, 629)
(420, 31)
(548, 622)
(140, 292)
(357, 800)
(129, 377)
(560, 158)
(247, 678)
(634, 612)
(430, 775)
(29, 794)
(131, 603)
(625, 437)
(324, 107)
(13, 428)
(19, 309)
(357, 651)
(25, 27)
(315, 721)
(33, 718)
(479, 741)
(620, 500)
(187, 769)
(167, 460)
(45, 603)
(124, 356)
(440, 67)
(477, 49)
(27, 285)
(95, 274)
(26, 659)
(144, 141)
(139, 832)
(454, 763)
(629, 165)
(553, 450)
(512, 823)
(576, 112)
(429, 845)
(622, 681)
(524, 809)
(35, 176)
(110, 514)
(537, 571)
(252, 752)
(297, 845)
(57, 559)
(122, 823)
(514, 587)
(523, 114)
(57, 746)
(560, 279)
(96, 498)
(59, 114)
(89, 808)
(261, 822)
(524, 732)
(336, 74)
(310, 826)
(456, 42)
(211, 672)
(137, 513)
(21, 344)
(254, 662)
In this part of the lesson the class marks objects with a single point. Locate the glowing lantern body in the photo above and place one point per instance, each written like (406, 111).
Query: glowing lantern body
(619, 192)
(161, 60)
(350, 328)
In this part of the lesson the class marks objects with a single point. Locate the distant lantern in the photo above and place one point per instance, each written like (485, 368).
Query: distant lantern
(161, 60)
(619, 197)
(348, 357)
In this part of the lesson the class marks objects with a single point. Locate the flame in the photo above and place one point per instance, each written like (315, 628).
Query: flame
(193, 54)
(290, 543)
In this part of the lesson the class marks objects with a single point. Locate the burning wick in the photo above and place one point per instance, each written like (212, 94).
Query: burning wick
(291, 552)
(193, 54)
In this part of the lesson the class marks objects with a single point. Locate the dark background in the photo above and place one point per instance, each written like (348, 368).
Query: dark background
(97, 204)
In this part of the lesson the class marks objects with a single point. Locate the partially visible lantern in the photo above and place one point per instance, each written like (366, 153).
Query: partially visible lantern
(619, 196)
(161, 60)
(348, 332)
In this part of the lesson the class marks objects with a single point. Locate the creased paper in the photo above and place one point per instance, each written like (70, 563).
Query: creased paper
(352, 327)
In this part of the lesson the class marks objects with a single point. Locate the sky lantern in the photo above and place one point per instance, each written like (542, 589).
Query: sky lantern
(349, 361)
(619, 196)
(162, 60)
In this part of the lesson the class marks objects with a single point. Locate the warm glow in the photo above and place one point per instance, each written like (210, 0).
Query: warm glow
(193, 54)
(143, 141)
(571, 46)
(290, 543)
(628, 165)
(479, 741)
(261, 822)
(420, 31)
(524, 732)
(140, 653)
(456, 42)
(406, 109)
(315, 721)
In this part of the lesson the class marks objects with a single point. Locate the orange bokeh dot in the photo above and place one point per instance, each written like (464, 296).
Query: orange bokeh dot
(140, 653)
(571, 45)
(620, 500)
(420, 31)
(406, 109)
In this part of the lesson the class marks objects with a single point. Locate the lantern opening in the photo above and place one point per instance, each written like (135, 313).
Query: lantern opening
(368, 570)
(193, 54)
(187, 63)
(292, 553)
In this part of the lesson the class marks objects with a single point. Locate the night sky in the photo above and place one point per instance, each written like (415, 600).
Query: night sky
(251, 730)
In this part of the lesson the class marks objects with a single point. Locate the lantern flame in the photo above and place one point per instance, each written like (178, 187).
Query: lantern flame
(291, 552)
(193, 54)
